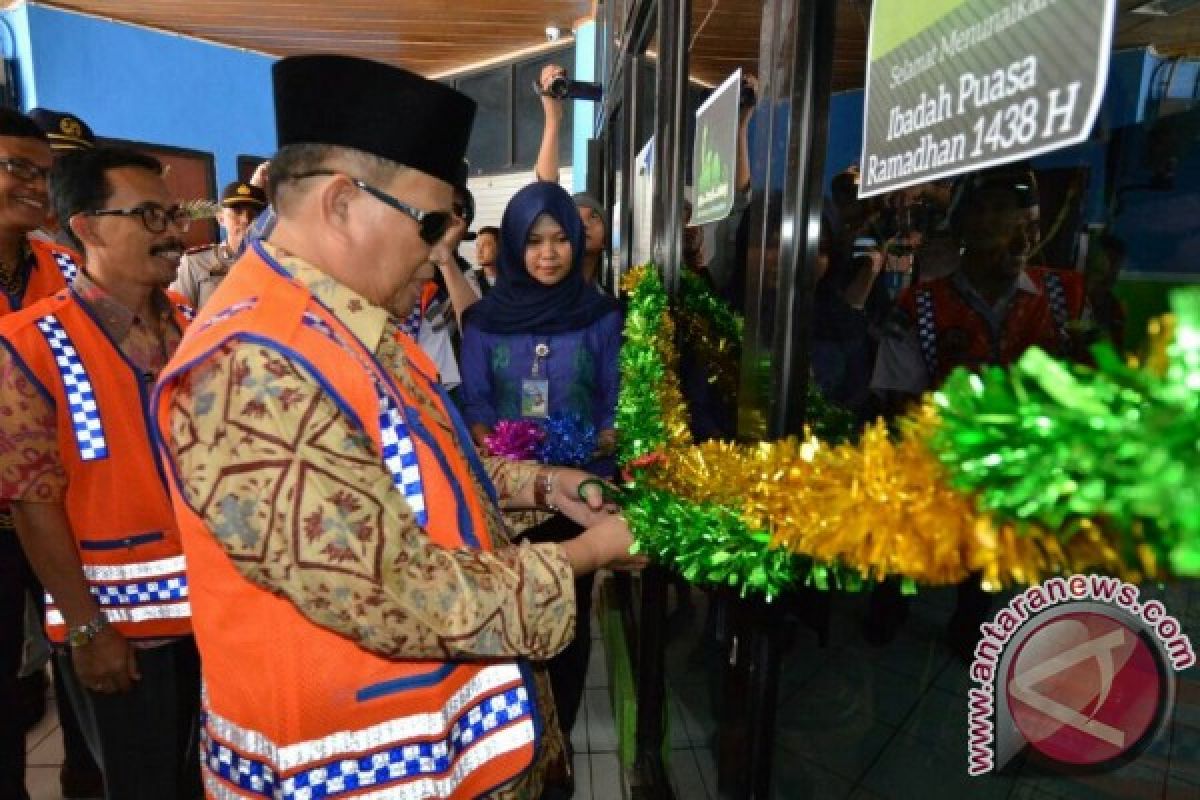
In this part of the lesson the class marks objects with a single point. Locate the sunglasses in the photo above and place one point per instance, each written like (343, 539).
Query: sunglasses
(431, 225)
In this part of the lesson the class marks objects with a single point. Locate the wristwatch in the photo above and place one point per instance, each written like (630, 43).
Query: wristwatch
(81, 635)
(543, 487)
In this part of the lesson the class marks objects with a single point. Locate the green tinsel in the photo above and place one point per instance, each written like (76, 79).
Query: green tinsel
(1056, 444)
(829, 423)
(639, 418)
(696, 297)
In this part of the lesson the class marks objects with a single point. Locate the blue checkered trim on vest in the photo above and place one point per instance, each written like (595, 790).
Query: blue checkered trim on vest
(399, 454)
(1056, 295)
(132, 594)
(371, 770)
(232, 311)
(81, 398)
(927, 331)
(67, 265)
(411, 325)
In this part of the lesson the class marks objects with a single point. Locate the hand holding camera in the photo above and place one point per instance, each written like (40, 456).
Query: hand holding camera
(554, 86)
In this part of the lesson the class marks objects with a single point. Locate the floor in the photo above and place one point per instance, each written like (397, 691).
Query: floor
(890, 723)
(854, 721)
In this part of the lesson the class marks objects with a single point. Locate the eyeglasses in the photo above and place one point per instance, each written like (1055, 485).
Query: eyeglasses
(154, 217)
(24, 170)
(431, 225)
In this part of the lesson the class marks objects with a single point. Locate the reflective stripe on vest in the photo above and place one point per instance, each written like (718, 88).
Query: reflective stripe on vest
(188, 312)
(137, 592)
(399, 453)
(431, 753)
(81, 398)
(66, 264)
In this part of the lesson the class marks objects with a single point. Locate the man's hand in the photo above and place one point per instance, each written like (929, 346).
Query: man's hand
(605, 544)
(564, 495)
(106, 664)
(552, 106)
(442, 253)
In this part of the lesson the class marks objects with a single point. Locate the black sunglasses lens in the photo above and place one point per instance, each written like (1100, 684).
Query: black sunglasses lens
(433, 225)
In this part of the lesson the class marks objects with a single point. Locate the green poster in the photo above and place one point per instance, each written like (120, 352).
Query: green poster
(715, 153)
(955, 86)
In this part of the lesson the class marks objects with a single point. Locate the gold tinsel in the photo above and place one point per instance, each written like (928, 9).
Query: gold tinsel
(880, 506)
(1160, 332)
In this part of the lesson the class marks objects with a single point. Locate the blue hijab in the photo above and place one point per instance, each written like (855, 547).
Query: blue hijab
(519, 303)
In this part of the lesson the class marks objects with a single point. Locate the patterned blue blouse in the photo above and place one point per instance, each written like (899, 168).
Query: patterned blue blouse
(580, 368)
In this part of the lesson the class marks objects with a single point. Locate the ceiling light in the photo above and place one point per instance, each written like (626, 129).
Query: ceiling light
(553, 33)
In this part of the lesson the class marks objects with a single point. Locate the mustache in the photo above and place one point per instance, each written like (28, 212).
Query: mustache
(163, 247)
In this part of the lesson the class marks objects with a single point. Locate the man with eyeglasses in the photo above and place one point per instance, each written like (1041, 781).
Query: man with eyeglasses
(362, 617)
(88, 493)
(29, 270)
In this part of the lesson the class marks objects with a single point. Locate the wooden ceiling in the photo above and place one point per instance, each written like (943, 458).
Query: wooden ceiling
(435, 37)
(427, 36)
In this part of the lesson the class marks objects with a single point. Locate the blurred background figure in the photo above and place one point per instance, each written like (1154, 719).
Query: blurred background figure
(203, 268)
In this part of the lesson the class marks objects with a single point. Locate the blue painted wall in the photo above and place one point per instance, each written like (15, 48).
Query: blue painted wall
(585, 112)
(130, 82)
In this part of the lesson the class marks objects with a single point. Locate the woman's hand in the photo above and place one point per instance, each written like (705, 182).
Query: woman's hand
(587, 508)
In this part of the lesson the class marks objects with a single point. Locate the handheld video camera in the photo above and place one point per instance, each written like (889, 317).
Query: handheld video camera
(565, 89)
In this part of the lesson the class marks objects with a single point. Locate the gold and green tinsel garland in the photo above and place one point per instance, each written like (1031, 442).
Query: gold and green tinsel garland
(1019, 473)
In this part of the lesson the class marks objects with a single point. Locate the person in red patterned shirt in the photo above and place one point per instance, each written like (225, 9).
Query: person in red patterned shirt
(989, 311)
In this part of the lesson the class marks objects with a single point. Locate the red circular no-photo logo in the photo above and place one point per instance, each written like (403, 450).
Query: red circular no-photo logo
(1084, 688)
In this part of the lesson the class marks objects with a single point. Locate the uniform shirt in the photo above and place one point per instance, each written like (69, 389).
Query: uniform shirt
(247, 407)
(201, 272)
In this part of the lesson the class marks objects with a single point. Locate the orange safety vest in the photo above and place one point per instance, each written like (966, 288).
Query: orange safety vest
(116, 501)
(293, 709)
(953, 334)
(54, 267)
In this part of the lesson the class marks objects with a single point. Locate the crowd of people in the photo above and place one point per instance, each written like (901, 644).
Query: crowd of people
(242, 466)
(261, 466)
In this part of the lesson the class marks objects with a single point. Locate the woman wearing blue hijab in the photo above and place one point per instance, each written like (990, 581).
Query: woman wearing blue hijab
(543, 341)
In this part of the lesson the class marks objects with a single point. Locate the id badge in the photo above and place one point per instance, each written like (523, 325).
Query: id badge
(535, 398)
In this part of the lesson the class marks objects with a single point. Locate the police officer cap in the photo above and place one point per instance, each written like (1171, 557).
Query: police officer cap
(240, 193)
(375, 108)
(65, 131)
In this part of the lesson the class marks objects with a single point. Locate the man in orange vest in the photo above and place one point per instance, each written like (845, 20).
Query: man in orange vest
(364, 623)
(991, 310)
(88, 494)
(30, 269)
